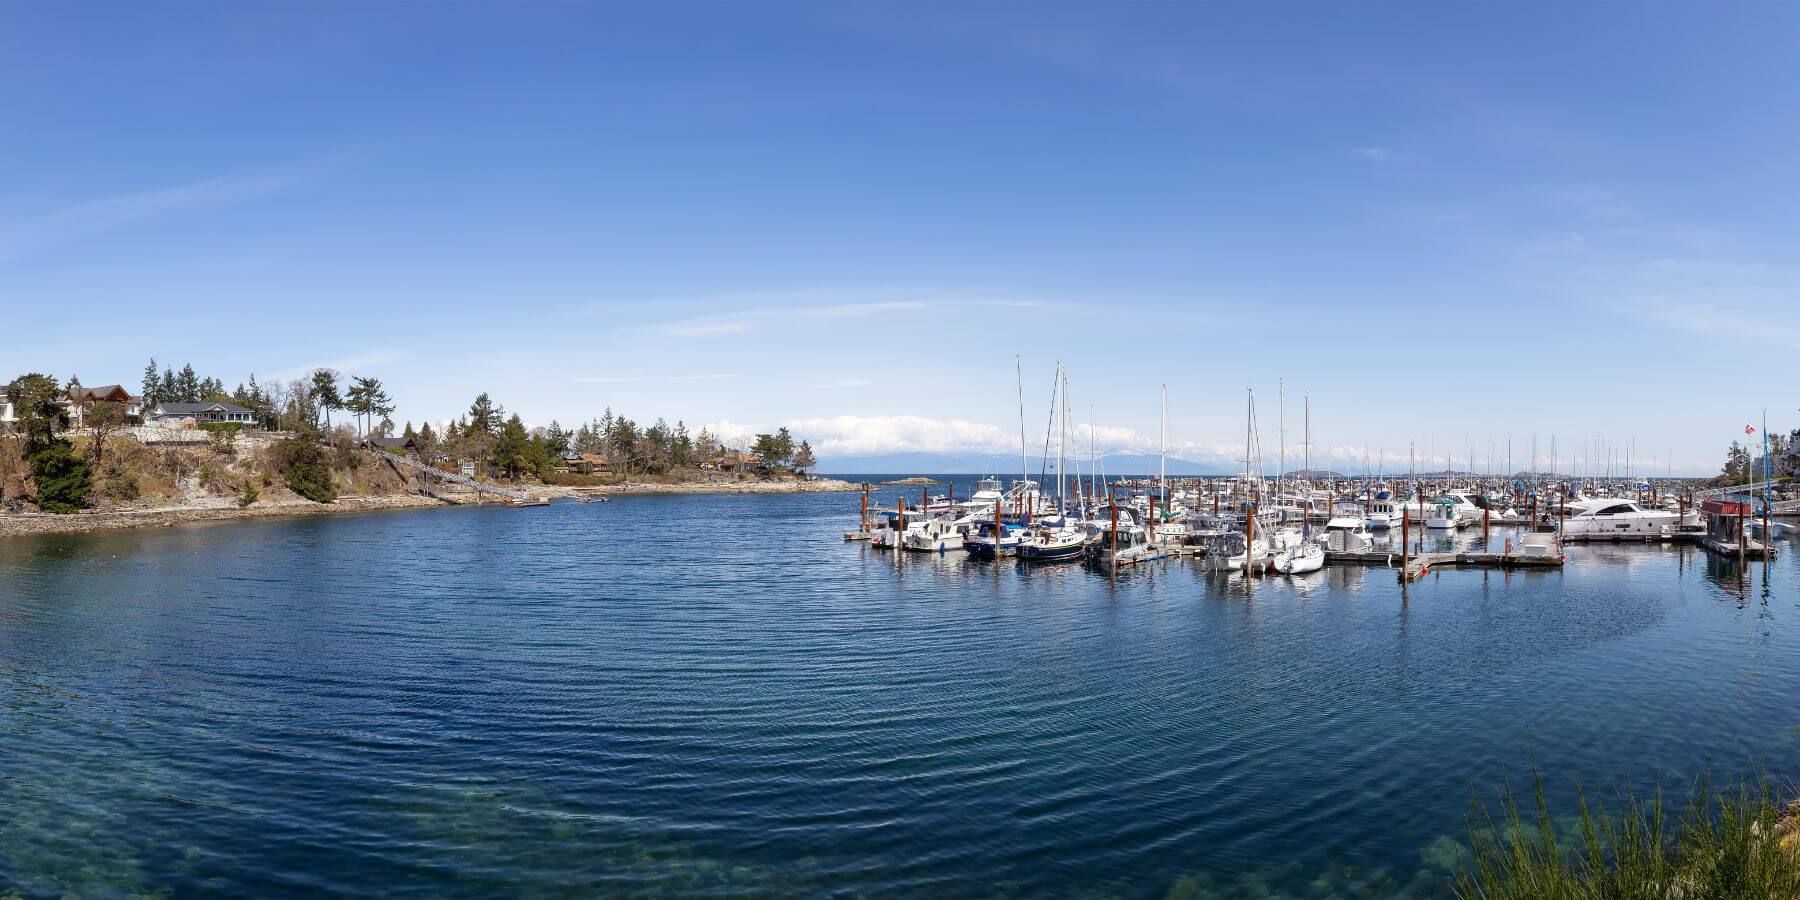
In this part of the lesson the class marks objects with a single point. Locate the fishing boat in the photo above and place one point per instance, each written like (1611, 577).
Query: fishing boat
(1442, 515)
(1384, 513)
(1123, 544)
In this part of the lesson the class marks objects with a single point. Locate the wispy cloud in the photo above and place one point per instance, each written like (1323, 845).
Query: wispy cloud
(746, 319)
(88, 218)
(1374, 154)
(654, 379)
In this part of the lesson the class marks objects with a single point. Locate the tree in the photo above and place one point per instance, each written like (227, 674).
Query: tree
(775, 449)
(168, 391)
(61, 478)
(512, 448)
(325, 395)
(803, 458)
(681, 451)
(426, 438)
(484, 415)
(187, 384)
(706, 447)
(305, 469)
(556, 440)
(38, 402)
(152, 388)
(1737, 465)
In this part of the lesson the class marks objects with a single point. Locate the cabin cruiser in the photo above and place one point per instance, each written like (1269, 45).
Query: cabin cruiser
(885, 530)
(990, 540)
(1384, 512)
(1346, 534)
(937, 535)
(1442, 514)
(1120, 545)
(1602, 515)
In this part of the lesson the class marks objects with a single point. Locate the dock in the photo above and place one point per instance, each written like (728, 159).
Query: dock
(1418, 564)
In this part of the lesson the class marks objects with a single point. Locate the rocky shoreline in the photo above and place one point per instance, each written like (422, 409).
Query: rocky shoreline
(18, 525)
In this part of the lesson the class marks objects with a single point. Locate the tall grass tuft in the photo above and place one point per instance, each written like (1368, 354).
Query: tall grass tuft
(1723, 846)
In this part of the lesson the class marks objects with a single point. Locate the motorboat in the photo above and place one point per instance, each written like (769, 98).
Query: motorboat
(937, 535)
(1613, 515)
(1346, 534)
(1110, 545)
(1384, 513)
(994, 539)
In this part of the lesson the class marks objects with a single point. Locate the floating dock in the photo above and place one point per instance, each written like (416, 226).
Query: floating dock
(1417, 564)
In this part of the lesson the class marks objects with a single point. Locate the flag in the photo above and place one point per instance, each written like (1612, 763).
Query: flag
(1749, 429)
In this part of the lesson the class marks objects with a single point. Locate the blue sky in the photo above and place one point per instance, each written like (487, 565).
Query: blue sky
(1448, 224)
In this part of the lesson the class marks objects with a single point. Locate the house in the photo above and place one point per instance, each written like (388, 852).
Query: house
(737, 461)
(9, 417)
(86, 399)
(390, 443)
(587, 463)
(215, 413)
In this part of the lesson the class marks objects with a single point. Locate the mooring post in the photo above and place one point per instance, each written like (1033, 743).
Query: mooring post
(1405, 522)
(1113, 536)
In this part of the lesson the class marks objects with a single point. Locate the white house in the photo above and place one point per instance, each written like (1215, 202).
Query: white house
(215, 413)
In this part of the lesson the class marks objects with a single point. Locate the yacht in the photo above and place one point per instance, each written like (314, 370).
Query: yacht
(1603, 515)
(1124, 545)
(1384, 512)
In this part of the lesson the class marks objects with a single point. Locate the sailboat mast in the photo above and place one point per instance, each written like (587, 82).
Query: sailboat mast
(1024, 464)
(1162, 445)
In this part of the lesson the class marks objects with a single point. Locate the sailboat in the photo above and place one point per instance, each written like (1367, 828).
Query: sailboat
(1305, 556)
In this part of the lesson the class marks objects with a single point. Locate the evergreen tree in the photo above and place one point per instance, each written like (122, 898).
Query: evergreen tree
(325, 395)
(425, 437)
(169, 391)
(484, 415)
(803, 457)
(151, 388)
(682, 450)
(512, 447)
(187, 385)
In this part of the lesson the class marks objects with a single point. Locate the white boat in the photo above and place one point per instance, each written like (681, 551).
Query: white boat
(1301, 558)
(1604, 515)
(1384, 513)
(1125, 545)
(1346, 534)
(939, 535)
(1441, 515)
(1053, 540)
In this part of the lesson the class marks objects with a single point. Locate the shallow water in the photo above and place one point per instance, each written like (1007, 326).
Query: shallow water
(715, 694)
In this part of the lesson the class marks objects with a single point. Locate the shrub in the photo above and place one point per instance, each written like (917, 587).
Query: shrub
(249, 495)
(306, 469)
(61, 476)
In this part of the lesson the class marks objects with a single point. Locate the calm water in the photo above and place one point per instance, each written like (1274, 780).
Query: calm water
(715, 694)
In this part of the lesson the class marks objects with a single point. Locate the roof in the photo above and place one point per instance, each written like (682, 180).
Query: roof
(105, 392)
(390, 441)
(188, 409)
(1726, 508)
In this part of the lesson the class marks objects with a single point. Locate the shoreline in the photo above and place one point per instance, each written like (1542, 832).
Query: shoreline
(86, 522)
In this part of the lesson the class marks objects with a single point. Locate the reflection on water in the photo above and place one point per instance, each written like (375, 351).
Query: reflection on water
(715, 694)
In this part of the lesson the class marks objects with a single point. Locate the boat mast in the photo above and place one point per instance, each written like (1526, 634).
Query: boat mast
(1281, 438)
(1024, 464)
(1162, 449)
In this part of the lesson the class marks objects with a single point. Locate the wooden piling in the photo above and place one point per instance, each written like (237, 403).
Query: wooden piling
(1113, 535)
(1405, 523)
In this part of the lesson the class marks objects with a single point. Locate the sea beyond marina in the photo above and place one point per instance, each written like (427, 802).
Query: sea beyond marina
(709, 694)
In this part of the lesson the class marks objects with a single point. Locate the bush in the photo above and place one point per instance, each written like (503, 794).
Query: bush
(61, 477)
(305, 468)
(248, 496)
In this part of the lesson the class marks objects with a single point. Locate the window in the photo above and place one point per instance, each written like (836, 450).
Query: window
(1617, 510)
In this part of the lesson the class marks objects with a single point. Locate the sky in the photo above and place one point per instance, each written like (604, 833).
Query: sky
(1439, 226)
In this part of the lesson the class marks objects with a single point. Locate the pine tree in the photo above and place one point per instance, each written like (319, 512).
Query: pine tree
(151, 388)
(168, 391)
(188, 384)
(484, 415)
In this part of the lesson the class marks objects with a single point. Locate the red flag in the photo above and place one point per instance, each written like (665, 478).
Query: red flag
(1749, 429)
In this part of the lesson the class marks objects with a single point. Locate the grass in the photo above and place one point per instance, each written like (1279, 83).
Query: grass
(1721, 846)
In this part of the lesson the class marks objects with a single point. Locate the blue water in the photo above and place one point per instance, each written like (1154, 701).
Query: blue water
(706, 695)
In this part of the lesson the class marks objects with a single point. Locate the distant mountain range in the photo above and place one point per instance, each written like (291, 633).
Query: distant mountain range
(1006, 467)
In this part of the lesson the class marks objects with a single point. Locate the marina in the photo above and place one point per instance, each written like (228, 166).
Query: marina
(616, 676)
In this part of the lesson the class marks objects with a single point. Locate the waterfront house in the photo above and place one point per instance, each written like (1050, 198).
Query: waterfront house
(9, 417)
(85, 400)
(738, 461)
(185, 414)
(587, 464)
